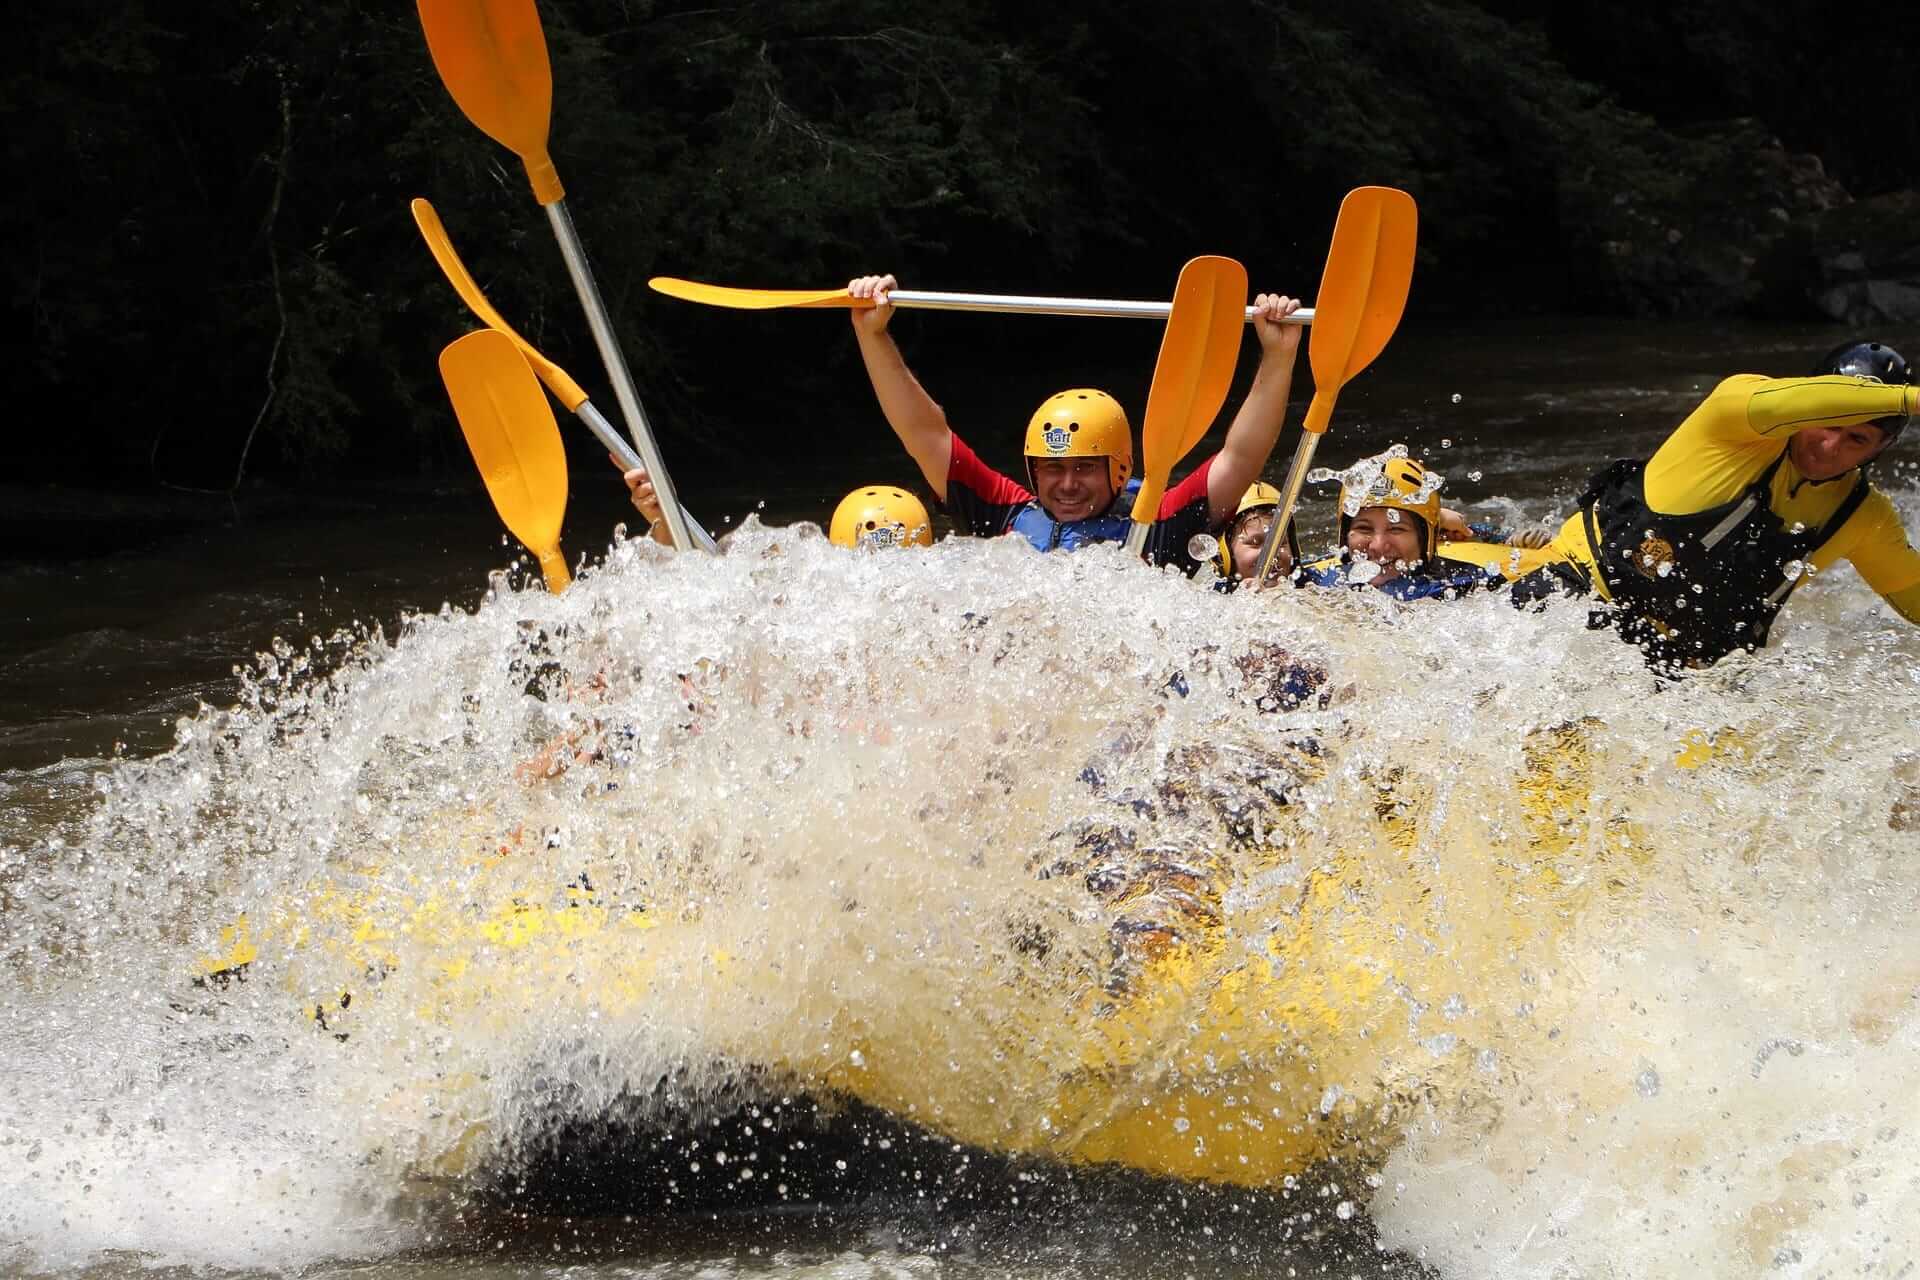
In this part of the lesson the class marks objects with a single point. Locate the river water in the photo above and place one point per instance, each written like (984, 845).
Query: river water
(582, 931)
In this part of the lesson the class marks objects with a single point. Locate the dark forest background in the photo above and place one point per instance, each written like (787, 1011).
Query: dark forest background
(212, 280)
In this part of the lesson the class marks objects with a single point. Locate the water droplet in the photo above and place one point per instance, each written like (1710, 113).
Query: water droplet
(1444, 444)
(1456, 397)
(1665, 568)
(1792, 569)
(1343, 1210)
(1647, 1082)
(1203, 548)
(1181, 1124)
(1475, 474)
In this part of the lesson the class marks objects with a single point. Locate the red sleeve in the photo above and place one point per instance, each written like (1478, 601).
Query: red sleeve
(990, 487)
(1189, 491)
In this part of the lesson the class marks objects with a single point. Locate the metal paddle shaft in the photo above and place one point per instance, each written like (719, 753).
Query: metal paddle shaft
(569, 392)
(1191, 378)
(715, 295)
(492, 56)
(604, 431)
(623, 389)
(1363, 293)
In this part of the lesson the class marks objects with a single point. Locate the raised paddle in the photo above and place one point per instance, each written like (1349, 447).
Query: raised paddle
(718, 295)
(515, 442)
(1191, 378)
(564, 388)
(1362, 294)
(492, 56)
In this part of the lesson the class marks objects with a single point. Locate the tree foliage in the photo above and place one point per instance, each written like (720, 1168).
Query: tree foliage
(212, 268)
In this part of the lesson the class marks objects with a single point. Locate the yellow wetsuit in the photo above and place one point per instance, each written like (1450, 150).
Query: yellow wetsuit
(1730, 440)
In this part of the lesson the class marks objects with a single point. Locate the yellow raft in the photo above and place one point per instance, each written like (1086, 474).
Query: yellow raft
(1227, 1041)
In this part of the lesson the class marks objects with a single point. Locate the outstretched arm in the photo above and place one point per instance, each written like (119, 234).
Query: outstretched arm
(1782, 406)
(911, 412)
(1256, 427)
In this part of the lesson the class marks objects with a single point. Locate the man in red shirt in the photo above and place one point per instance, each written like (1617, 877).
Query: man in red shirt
(1079, 448)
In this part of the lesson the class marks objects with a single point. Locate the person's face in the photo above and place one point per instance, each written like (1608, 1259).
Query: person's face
(1388, 537)
(1244, 543)
(1072, 488)
(1821, 453)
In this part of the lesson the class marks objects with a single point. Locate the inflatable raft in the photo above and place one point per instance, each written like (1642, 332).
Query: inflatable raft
(1265, 1000)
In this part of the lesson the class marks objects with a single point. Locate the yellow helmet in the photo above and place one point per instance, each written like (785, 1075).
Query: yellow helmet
(880, 516)
(1395, 481)
(1082, 423)
(1260, 496)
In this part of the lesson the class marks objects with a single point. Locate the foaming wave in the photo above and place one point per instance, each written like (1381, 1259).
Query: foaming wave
(1055, 855)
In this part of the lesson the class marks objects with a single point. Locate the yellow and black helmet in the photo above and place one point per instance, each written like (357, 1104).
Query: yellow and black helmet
(1082, 423)
(877, 516)
(1398, 483)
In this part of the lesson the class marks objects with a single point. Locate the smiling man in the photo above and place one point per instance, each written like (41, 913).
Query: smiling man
(1079, 448)
(1697, 548)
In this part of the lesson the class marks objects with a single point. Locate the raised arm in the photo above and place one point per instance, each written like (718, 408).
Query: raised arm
(911, 412)
(1782, 406)
(1256, 426)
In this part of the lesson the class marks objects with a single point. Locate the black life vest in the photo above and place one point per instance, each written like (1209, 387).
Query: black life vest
(1691, 589)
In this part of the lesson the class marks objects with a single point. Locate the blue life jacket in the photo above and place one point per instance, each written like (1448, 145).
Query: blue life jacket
(1047, 534)
(1434, 579)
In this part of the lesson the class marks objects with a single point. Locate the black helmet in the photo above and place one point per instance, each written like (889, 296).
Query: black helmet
(1874, 360)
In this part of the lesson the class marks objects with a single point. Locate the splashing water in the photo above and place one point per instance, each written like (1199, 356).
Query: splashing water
(954, 833)
(1366, 482)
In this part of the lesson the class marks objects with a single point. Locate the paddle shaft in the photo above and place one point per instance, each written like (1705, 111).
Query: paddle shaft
(1013, 303)
(623, 388)
(1289, 498)
(605, 433)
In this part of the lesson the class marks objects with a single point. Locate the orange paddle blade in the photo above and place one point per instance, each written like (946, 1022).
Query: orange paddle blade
(563, 387)
(719, 295)
(492, 56)
(1363, 291)
(509, 427)
(1194, 372)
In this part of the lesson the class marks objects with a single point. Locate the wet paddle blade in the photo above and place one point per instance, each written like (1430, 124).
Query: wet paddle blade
(719, 295)
(509, 427)
(1363, 291)
(1193, 373)
(564, 388)
(492, 56)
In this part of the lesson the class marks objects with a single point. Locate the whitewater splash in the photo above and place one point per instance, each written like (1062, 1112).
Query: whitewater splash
(1593, 975)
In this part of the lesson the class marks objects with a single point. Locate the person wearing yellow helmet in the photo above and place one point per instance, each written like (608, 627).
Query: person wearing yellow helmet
(1241, 541)
(1390, 525)
(1694, 551)
(1079, 448)
(872, 517)
(877, 516)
